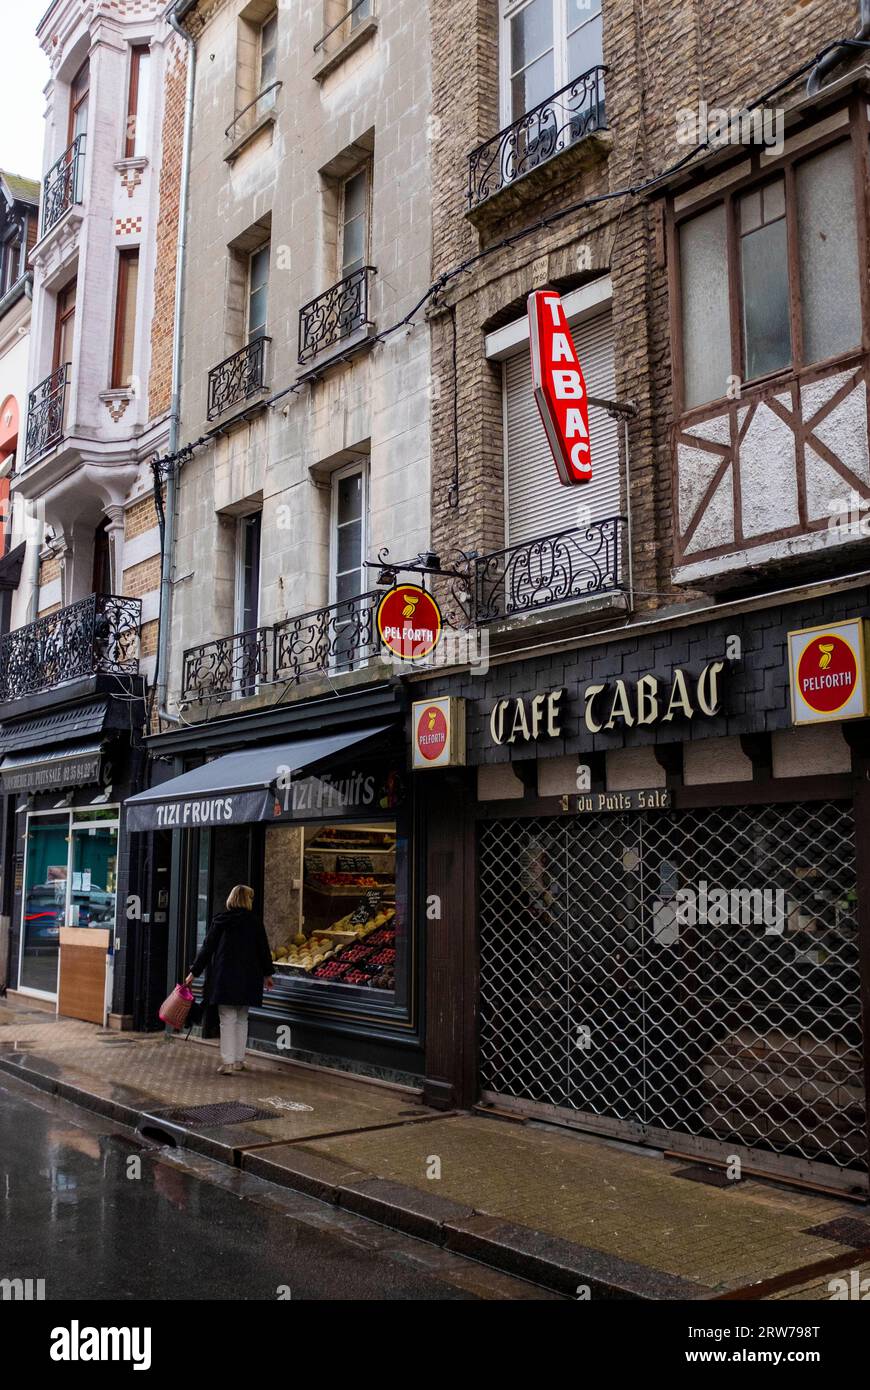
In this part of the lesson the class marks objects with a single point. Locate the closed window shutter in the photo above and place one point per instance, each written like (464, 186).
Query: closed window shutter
(537, 503)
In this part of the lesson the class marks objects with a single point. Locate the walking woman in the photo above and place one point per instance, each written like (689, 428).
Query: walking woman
(236, 953)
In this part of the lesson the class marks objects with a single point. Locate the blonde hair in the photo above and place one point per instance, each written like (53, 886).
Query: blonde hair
(241, 896)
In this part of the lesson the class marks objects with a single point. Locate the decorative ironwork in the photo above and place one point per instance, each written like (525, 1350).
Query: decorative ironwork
(335, 315)
(98, 634)
(571, 564)
(237, 378)
(566, 117)
(62, 185)
(46, 407)
(229, 666)
(341, 637)
(271, 92)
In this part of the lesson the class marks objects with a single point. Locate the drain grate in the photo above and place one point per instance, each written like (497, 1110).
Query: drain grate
(221, 1112)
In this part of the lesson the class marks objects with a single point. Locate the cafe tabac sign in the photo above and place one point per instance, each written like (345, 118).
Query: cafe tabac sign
(610, 705)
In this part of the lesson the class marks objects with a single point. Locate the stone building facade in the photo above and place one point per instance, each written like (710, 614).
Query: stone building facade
(309, 236)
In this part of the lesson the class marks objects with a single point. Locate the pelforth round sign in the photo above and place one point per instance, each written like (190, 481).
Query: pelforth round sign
(827, 673)
(432, 732)
(409, 622)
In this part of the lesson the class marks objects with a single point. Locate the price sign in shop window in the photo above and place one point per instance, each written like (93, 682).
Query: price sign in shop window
(330, 903)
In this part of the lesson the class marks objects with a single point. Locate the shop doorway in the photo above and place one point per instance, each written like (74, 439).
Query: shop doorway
(70, 873)
(621, 991)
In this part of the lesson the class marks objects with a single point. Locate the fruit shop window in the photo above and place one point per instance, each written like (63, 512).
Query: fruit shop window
(333, 907)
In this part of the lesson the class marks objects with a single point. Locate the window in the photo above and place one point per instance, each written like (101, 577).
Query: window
(78, 103)
(362, 11)
(137, 101)
(793, 299)
(64, 326)
(348, 512)
(354, 223)
(269, 51)
(546, 44)
(125, 319)
(258, 292)
(247, 658)
(248, 533)
(10, 260)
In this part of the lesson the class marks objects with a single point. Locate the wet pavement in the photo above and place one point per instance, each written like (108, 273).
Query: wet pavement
(98, 1216)
(560, 1208)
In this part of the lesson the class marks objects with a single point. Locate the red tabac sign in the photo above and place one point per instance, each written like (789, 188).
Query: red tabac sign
(560, 390)
(409, 622)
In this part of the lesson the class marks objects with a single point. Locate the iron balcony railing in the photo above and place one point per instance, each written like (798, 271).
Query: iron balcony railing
(98, 634)
(46, 410)
(237, 378)
(235, 665)
(335, 315)
(338, 638)
(577, 563)
(564, 118)
(62, 185)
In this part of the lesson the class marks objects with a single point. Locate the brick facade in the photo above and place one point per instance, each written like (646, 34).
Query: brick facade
(142, 578)
(160, 380)
(140, 517)
(659, 58)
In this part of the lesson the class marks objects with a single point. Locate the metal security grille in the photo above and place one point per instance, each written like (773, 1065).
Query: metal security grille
(679, 973)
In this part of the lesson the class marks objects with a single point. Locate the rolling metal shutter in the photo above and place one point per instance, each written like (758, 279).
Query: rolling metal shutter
(537, 503)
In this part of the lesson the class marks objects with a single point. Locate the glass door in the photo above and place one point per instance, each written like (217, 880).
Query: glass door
(93, 876)
(44, 907)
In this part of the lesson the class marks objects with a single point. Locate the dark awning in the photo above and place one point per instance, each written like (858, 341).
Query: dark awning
(54, 769)
(237, 788)
(10, 567)
(80, 722)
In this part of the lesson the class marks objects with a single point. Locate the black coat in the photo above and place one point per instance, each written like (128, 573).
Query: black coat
(237, 956)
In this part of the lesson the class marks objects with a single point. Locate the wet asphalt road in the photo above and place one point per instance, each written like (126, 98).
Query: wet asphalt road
(84, 1206)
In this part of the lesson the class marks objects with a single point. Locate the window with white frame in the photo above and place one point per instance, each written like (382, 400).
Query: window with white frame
(258, 292)
(546, 44)
(354, 222)
(268, 56)
(348, 573)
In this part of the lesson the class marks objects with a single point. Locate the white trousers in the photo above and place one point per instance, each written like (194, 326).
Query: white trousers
(234, 1032)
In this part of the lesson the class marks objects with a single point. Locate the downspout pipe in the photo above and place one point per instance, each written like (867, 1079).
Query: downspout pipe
(165, 615)
(839, 54)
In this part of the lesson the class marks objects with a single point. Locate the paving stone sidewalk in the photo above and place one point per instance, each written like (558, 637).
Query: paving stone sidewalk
(564, 1209)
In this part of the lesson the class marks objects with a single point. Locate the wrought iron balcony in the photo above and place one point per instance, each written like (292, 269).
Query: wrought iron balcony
(229, 666)
(62, 185)
(341, 637)
(239, 377)
(46, 408)
(577, 563)
(99, 634)
(565, 118)
(335, 315)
